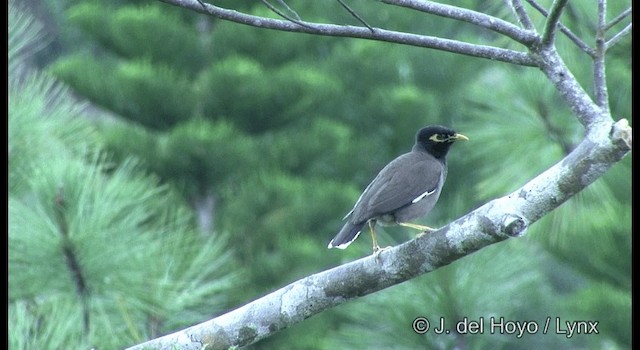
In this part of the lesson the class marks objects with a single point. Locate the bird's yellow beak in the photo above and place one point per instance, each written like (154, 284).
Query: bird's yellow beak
(459, 137)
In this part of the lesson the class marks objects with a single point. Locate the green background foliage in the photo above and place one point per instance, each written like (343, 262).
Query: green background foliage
(210, 163)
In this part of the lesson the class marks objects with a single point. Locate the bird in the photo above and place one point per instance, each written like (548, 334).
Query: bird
(405, 189)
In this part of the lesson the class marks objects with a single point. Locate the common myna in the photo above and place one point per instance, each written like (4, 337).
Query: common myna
(404, 190)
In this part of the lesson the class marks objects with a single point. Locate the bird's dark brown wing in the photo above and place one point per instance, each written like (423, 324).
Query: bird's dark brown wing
(393, 189)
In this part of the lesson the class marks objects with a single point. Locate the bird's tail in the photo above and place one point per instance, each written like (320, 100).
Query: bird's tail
(347, 234)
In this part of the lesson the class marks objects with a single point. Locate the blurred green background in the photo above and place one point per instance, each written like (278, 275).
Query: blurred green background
(166, 167)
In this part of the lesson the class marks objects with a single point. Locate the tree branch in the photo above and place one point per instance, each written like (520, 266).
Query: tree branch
(454, 46)
(354, 14)
(604, 145)
(566, 31)
(618, 19)
(284, 4)
(550, 26)
(599, 74)
(587, 112)
(522, 15)
(525, 37)
(509, 216)
(625, 31)
(296, 20)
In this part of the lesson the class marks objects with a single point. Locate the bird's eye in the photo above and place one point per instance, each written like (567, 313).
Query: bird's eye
(437, 138)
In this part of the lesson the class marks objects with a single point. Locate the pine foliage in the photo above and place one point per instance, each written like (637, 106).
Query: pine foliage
(100, 255)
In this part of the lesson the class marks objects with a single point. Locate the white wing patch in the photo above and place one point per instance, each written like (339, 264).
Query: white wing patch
(422, 196)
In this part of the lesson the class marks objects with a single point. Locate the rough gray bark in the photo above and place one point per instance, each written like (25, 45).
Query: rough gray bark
(605, 143)
(496, 221)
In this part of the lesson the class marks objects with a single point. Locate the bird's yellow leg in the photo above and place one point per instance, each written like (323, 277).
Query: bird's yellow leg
(372, 230)
(376, 248)
(422, 228)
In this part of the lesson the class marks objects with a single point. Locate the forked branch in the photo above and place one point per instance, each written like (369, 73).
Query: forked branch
(606, 142)
(291, 24)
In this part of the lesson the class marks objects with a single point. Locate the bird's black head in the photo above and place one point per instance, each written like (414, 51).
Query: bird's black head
(436, 140)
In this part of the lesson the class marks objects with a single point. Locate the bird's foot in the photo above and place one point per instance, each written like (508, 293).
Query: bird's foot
(425, 231)
(377, 250)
